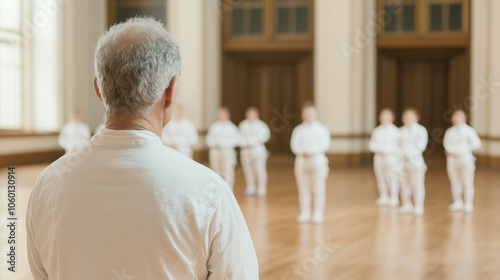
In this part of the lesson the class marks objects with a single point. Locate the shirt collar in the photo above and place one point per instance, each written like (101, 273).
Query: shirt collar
(130, 137)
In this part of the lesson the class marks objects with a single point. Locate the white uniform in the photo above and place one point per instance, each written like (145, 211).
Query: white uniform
(384, 143)
(73, 136)
(254, 135)
(459, 142)
(129, 207)
(412, 142)
(222, 138)
(180, 134)
(312, 139)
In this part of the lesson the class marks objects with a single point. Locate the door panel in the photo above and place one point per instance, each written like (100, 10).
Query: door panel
(433, 81)
(277, 84)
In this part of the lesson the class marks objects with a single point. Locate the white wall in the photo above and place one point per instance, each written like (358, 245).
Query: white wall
(195, 24)
(344, 69)
(85, 21)
(485, 74)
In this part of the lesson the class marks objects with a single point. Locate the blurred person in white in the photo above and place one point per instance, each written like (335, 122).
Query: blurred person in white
(412, 142)
(125, 203)
(222, 139)
(180, 133)
(74, 134)
(384, 143)
(254, 134)
(459, 142)
(310, 140)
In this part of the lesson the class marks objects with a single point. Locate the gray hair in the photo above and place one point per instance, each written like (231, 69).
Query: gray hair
(135, 62)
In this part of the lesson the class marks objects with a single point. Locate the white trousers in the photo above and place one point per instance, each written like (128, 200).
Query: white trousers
(412, 184)
(223, 162)
(386, 173)
(311, 175)
(461, 173)
(253, 161)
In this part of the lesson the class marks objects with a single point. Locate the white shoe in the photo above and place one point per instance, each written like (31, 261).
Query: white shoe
(303, 218)
(456, 206)
(406, 209)
(394, 203)
(249, 192)
(317, 219)
(261, 193)
(382, 201)
(468, 208)
(418, 211)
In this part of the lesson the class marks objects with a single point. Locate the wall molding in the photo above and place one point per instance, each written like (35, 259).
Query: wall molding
(30, 158)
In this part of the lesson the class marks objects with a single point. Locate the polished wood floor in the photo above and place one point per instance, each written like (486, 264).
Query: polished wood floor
(358, 240)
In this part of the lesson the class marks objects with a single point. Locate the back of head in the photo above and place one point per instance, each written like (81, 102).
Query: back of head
(134, 64)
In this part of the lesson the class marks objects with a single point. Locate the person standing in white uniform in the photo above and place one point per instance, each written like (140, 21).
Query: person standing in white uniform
(222, 139)
(254, 134)
(180, 133)
(412, 142)
(310, 140)
(384, 143)
(128, 207)
(459, 142)
(74, 134)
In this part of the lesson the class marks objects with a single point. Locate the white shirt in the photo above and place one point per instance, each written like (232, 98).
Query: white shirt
(223, 135)
(73, 136)
(385, 140)
(461, 140)
(125, 204)
(310, 138)
(412, 143)
(254, 134)
(180, 134)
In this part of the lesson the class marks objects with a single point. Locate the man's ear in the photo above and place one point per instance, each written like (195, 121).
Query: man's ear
(170, 92)
(96, 88)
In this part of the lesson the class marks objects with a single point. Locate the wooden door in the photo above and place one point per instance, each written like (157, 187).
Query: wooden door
(277, 84)
(433, 81)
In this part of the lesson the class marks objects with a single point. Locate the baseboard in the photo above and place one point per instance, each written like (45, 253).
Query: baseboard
(349, 159)
(200, 155)
(487, 161)
(30, 158)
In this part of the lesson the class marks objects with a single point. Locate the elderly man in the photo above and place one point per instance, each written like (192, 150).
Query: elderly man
(125, 206)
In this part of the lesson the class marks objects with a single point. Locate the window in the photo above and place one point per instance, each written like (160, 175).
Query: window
(267, 18)
(424, 17)
(10, 65)
(124, 9)
(445, 16)
(247, 17)
(29, 65)
(292, 16)
(399, 16)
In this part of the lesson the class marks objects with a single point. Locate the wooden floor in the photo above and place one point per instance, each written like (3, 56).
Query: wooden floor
(358, 240)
